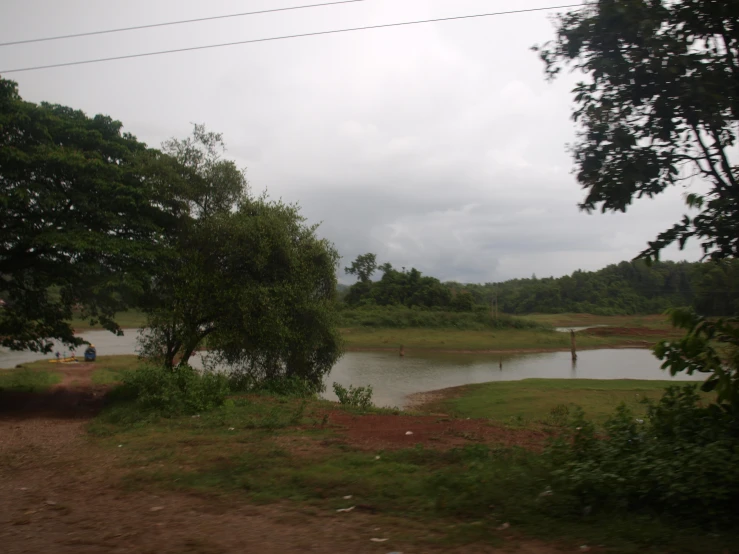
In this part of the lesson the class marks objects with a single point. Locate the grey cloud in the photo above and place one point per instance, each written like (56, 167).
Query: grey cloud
(440, 146)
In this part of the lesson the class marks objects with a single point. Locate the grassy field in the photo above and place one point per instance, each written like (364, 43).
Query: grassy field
(547, 401)
(272, 449)
(28, 380)
(108, 370)
(654, 321)
(505, 339)
(266, 449)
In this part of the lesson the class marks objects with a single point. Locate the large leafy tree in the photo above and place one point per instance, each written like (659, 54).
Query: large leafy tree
(85, 210)
(211, 184)
(260, 286)
(659, 108)
(363, 267)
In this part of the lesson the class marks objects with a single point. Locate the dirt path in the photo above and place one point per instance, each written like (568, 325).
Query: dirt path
(61, 493)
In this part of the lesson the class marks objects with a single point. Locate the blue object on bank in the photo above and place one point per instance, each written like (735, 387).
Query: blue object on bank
(90, 354)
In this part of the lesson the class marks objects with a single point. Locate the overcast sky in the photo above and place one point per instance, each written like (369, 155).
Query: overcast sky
(437, 146)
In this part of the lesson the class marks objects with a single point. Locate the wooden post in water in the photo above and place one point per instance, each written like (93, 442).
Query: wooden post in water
(402, 351)
(500, 364)
(573, 346)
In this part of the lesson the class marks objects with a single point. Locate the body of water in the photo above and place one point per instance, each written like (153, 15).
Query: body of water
(107, 344)
(393, 378)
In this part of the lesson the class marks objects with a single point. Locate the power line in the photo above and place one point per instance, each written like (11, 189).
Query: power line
(168, 23)
(285, 37)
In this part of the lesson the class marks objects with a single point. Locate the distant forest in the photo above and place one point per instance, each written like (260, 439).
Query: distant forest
(619, 289)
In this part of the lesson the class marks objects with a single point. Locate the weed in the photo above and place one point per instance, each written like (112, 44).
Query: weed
(355, 397)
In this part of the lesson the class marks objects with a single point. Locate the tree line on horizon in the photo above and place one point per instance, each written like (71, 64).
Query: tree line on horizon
(635, 287)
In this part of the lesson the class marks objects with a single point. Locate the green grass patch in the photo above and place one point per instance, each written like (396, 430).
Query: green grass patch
(652, 321)
(548, 400)
(24, 379)
(271, 449)
(449, 339)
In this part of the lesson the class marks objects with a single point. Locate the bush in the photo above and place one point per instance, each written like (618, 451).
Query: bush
(281, 386)
(171, 392)
(682, 460)
(355, 397)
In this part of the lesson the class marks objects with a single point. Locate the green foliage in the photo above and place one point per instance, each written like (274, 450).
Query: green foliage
(85, 211)
(211, 185)
(399, 317)
(681, 460)
(363, 267)
(621, 289)
(355, 397)
(404, 288)
(26, 380)
(159, 391)
(259, 285)
(294, 385)
(659, 107)
(710, 347)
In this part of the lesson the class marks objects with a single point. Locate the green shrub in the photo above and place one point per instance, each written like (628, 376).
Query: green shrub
(355, 397)
(681, 460)
(179, 391)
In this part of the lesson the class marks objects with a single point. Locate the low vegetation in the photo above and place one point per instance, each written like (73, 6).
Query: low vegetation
(267, 448)
(355, 397)
(400, 317)
(359, 338)
(547, 401)
(680, 460)
(28, 380)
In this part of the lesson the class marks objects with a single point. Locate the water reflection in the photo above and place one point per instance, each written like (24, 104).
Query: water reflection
(393, 378)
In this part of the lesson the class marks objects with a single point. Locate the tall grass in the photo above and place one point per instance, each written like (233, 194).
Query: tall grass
(400, 317)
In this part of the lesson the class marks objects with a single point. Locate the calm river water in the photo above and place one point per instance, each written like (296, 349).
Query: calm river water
(393, 377)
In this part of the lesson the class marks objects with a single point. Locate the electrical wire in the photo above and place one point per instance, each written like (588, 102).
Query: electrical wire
(285, 37)
(168, 23)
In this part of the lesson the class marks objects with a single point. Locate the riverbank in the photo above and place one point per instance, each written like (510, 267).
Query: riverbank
(537, 402)
(641, 331)
(503, 340)
(283, 474)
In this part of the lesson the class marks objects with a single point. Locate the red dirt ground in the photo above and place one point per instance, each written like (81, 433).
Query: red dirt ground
(376, 432)
(61, 493)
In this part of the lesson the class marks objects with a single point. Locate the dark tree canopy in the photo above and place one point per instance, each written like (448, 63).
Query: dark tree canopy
(210, 184)
(259, 285)
(403, 288)
(659, 108)
(363, 267)
(85, 209)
